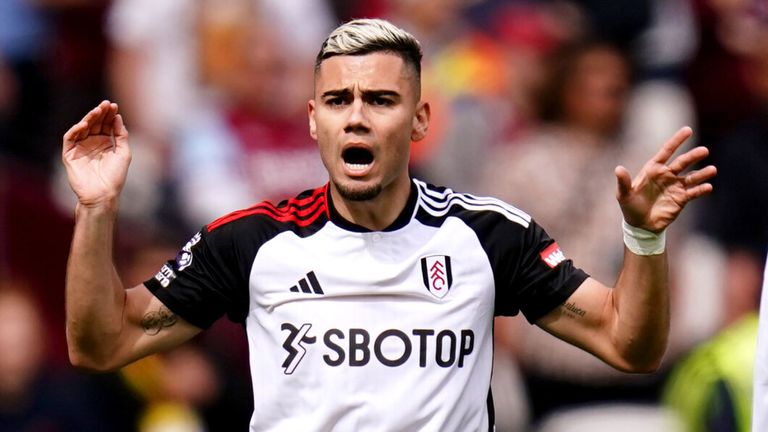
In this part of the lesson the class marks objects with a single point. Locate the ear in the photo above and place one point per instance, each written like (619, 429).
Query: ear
(420, 122)
(312, 123)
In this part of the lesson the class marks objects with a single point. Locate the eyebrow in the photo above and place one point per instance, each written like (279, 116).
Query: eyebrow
(346, 91)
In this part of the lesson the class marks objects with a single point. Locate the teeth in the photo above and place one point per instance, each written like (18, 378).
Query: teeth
(356, 166)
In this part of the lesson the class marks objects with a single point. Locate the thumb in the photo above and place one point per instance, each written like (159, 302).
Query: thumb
(119, 126)
(624, 182)
(121, 133)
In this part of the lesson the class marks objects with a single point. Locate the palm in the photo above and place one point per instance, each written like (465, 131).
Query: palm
(657, 195)
(97, 162)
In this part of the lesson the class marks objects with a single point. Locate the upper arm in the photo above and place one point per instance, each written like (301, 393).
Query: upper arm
(585, 320)
(149, 327)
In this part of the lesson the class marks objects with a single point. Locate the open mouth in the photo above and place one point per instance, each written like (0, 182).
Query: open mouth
(357, 158)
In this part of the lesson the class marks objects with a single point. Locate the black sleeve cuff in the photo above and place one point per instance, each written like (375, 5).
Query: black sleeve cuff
(176, 306)
(532, 314)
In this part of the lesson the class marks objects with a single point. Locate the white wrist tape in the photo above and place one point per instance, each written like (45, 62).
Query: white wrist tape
(643, 242)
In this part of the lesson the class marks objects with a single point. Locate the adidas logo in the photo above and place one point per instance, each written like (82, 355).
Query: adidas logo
(313, 286)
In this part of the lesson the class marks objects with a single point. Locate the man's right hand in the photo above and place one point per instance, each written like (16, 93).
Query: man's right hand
(96, 155)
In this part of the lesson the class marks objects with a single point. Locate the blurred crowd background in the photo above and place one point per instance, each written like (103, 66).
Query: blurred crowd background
(533, 101)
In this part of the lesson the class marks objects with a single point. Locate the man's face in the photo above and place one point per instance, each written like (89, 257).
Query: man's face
(364, 115)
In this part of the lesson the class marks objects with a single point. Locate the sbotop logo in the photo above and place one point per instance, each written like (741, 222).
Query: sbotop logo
(357, 347)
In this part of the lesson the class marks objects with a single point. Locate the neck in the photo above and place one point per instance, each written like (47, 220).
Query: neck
(378, 213)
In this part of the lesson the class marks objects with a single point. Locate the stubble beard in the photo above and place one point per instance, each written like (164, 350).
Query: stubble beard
(357, 194)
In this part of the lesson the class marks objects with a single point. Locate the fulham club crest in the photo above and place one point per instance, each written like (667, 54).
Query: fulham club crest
(436, 273)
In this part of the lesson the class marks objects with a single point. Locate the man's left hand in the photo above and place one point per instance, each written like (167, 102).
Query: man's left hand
(660, 191)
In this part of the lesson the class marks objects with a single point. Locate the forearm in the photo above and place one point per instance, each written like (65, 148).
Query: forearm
(95, 296)
(640, 310)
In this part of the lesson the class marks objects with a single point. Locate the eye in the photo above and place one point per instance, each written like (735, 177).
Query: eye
(335, 101)
(381, 101)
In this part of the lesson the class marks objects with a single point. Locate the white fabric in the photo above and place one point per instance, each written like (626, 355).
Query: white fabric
(643, 242)
(760, 391)
(612, 417)
(313, 393)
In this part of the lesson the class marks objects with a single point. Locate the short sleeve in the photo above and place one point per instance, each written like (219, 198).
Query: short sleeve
(531, 271)
(545, 277)
(207, 279)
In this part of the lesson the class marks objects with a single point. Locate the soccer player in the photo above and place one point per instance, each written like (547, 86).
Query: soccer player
(368, 302)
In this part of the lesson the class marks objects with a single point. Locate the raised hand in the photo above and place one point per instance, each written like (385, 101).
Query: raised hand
(96, 156)
(660, 191)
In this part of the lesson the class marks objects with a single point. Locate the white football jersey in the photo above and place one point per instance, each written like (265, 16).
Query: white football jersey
(357, 330)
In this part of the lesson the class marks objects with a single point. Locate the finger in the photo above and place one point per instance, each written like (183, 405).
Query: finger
(669, 147)
(119, 126)
(623, 181)
(698, 191)
(94, 119)
(96, 124)
(121, 133)
(71, 134)
(90, 119)
(685, 160)
(109, 119)
(699, 176)
(88, 124)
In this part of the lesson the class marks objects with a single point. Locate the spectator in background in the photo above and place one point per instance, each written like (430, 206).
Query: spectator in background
(76, 43)
(176, 387)
(737, 215)
(550, 172)
(711, 390)
(8, 94)
(737, 223)
(157, 57)
(24, 86)
(582, 110)
(317, 18)
(455, 58)
(728, 31)
(50, 57)
(480, 78)
(34, 396)
(202, 385)
(554, 171)
(459, 80)
(251, 142)
(153, 59)
(205, 55)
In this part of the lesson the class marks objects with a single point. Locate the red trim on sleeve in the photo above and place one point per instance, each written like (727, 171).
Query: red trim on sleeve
(300, 211)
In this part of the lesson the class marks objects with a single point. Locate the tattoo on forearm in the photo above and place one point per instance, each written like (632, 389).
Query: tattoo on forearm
(153, 322)
(572, 311)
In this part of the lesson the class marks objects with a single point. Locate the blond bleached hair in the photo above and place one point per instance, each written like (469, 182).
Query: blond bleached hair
(364, 36)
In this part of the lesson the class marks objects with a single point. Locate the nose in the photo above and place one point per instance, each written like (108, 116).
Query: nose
(358, 119)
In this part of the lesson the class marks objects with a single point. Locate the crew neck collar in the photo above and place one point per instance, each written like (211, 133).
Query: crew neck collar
(400, 221)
